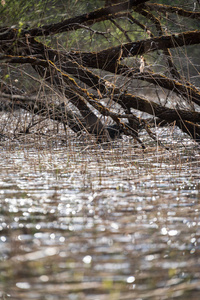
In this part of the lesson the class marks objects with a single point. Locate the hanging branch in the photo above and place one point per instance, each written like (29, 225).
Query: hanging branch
(70, 24)
(172, 9)
(106, 58)
(171, 66)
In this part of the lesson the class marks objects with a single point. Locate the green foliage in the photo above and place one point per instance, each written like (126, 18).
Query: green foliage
(34, 13)
(39, 12)
(23, 12)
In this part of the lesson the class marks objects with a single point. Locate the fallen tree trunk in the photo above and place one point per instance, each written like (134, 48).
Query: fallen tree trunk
(57, 66)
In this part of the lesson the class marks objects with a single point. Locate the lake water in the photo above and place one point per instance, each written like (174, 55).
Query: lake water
(102, 223)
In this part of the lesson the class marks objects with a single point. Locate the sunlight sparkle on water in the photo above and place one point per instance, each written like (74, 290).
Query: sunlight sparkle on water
(87, 259)
(150, 257)
(130, 279)
(62, 239)
(164, 231)
(173, 232)
(115, 226)
(3, 239)
(79, 237)
(44, 278)
(23, 285)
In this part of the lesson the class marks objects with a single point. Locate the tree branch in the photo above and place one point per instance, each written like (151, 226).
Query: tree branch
(172, 9)
(72, 23)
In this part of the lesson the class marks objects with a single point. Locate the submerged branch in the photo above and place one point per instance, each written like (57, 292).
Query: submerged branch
(48, 109)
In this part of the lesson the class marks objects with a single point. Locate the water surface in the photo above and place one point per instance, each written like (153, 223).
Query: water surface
(89, 222)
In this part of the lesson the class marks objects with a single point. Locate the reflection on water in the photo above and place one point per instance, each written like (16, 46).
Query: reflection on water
(90, 223)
